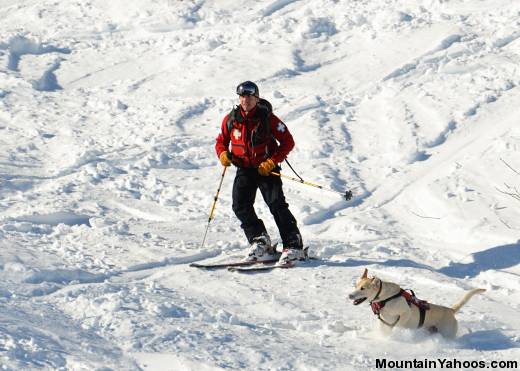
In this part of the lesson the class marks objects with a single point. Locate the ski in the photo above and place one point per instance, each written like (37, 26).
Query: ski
(269, 267)
(251, 266)
(241, 263)
(263, 268)
(236, 264)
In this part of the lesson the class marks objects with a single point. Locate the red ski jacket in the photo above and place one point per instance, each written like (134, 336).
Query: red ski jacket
(254, 137)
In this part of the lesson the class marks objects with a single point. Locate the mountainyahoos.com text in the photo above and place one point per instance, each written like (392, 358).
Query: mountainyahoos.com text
(444, 364)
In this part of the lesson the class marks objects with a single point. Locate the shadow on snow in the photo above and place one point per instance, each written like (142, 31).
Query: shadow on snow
(499, 257)
(495, 258)
(486, 340)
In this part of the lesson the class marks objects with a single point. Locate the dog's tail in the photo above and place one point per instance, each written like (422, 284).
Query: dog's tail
(465, 299)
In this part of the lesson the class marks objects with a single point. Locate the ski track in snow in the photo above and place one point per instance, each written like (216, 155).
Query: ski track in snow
(108, 116)
(276, 6)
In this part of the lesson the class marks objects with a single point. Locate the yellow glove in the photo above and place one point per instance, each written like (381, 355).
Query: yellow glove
(266, 167)
(224, 158)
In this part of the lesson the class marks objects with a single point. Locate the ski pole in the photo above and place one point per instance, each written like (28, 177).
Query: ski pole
(213, 207)
(347, 195)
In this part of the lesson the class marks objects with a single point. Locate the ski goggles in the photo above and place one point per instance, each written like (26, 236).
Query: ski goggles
(248, 88)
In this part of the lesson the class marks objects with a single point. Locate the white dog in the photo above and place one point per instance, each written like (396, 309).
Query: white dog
(396, 307)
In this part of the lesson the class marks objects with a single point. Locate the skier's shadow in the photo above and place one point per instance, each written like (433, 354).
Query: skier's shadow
(362, 262)
(498, 257)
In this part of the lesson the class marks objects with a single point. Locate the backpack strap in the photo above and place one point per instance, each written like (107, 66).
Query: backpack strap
(263, 112)
(264, 108)
(234, 114)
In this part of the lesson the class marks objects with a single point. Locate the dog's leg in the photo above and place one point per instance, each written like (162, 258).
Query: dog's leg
(448, 327)
(433, 330)
(398, 310)
(405, 313)
(385, 329)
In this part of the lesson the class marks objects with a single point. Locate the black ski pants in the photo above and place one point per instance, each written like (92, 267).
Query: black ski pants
(247, 181)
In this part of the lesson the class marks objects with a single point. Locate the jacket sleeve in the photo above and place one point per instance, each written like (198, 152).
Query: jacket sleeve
(281, 133)
(223, 139)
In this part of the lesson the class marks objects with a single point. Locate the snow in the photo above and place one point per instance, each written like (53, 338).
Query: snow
(108, 116)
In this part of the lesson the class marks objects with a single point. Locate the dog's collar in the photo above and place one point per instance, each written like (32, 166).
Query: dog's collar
(377, 305)
(378, 292)
(383, 301)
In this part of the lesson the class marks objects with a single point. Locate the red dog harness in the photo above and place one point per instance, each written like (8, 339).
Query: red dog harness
(410, 298)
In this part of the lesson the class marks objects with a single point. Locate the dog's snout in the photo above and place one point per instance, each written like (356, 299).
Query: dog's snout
(351, 296)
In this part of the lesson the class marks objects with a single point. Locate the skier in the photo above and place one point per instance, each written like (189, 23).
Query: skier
(259, 141)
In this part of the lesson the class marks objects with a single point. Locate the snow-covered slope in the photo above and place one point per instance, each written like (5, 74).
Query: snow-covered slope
(108, 115)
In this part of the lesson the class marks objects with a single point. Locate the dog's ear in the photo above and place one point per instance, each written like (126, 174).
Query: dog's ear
(375, 282)
(365, 274)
